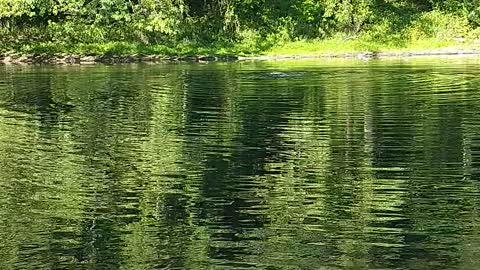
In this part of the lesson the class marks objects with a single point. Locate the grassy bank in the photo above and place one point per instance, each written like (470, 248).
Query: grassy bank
(328, 47)
(173, 28)
(380, 29)
(339, 47)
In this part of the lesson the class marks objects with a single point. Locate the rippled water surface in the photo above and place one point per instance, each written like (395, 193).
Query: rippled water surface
(286, 165)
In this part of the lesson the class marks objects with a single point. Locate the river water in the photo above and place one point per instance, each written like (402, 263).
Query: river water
(263, 165)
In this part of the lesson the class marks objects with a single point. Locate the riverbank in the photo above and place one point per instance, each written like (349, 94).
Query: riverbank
(118, 53)
(74, 59)
(61, 59)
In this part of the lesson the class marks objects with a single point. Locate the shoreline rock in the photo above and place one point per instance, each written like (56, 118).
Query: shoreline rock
(73, 59)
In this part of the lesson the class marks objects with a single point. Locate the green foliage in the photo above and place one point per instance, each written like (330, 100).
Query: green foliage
(349, 16)
(249, 26)
(438, 25)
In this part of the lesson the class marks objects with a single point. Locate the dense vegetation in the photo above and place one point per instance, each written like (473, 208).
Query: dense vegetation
(170, 26)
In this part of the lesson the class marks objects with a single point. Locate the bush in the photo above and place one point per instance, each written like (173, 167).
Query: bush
(385, 31)
(439, 25)
(75, 32)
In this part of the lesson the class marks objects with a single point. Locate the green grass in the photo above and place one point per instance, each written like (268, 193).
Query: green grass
(334, 46)
(338, 46)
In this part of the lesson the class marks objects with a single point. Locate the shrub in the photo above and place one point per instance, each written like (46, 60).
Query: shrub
(439, 25)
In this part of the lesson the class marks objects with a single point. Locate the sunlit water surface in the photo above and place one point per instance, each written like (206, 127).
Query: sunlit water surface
(281, 165)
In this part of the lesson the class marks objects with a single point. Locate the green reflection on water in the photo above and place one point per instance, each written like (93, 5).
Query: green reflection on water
(288, 165)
